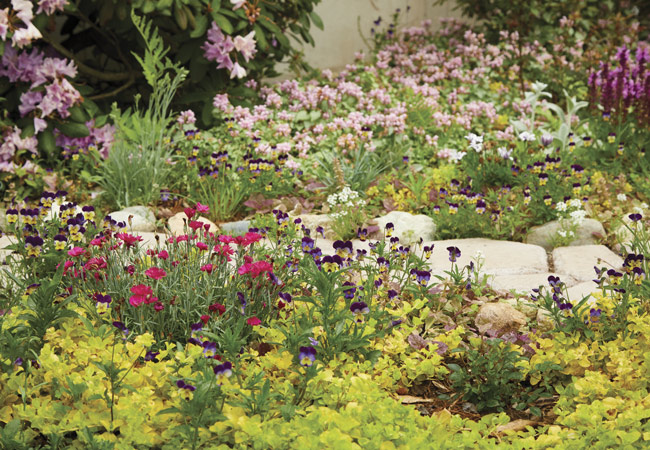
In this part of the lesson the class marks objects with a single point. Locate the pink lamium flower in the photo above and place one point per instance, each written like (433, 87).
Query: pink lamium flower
(186, 117)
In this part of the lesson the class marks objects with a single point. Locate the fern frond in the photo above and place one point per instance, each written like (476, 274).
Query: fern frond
(155, 60)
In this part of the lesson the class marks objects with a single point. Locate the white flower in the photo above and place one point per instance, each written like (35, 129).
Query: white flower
(504, 152)
(456, 156)
(575, 203)
(526, 136)
(475, 142)
(621, 197)
(638, 210)
(644, 205)
(578, 215)
(561, 206)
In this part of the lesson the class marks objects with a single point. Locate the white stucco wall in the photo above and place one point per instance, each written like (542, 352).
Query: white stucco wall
(337, 43)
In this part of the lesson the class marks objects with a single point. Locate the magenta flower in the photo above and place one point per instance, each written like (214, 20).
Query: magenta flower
(189, 212)
(253, 321)
(141, 294)
(128, 239)
(208, 268)
(76, 251)
(155, 273)
(202, 209)
(256, 268)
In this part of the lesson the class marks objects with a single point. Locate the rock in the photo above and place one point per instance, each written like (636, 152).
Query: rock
(578, 262)
(588, 232)
(624, 235)
(409, 228)
(313, 221)
(499, 257)
(499, 317)
(579, 291)
(5, 241)
(523, 283)
(545, 321)
(176, 223)
(237, 228)
(149, 239)
(523, 305)
(3, 220)
(143, 218)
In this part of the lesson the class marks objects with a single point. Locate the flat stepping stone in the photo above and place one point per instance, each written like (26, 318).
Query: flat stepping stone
(579, 291)
(524, 283)
(579, 261)
(500, 257)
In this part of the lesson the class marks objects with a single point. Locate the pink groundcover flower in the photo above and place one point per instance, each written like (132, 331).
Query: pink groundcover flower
(155, 273)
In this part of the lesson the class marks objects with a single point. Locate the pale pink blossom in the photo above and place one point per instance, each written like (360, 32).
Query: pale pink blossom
(246, 45)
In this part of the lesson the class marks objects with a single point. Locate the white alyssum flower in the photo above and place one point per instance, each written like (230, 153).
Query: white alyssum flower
(644, 205)
(346, 198)
(561, 206)
(526, 136)
(621, 197)
(578, 215)
(565, 233)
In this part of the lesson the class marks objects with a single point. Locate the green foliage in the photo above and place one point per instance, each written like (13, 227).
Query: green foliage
(137, 167)
(100, 30)
(491, 378)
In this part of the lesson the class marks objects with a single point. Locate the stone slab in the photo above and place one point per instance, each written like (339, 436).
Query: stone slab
(579, 291)
(579, 261)
(500, 257)
(409, 228)
(142, 218)
(149, 239)
(523, 283)
(589, 231)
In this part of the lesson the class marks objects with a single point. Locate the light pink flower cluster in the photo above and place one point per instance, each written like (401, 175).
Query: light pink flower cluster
(219, 47)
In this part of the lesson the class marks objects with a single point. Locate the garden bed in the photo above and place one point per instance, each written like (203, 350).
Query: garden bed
(442, 246)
